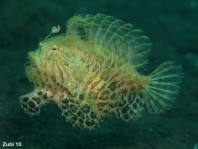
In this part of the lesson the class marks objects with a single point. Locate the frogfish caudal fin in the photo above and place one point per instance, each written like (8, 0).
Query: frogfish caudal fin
(163, 87)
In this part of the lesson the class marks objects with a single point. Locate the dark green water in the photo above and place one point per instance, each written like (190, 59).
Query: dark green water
(172, 26)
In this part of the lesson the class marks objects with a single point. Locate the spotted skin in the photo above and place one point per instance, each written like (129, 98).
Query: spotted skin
(93, 72)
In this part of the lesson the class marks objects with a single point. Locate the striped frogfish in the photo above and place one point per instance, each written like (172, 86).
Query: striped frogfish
(93, 72)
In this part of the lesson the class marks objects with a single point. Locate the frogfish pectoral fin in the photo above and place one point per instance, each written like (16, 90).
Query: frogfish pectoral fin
(78, 113)
(31, 104)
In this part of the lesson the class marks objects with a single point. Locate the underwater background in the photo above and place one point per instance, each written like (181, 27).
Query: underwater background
(172, 26)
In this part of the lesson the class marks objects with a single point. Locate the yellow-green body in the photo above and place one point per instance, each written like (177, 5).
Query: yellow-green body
(91, 73)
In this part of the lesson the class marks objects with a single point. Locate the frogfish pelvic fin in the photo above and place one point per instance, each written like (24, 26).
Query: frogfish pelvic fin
(93, 72)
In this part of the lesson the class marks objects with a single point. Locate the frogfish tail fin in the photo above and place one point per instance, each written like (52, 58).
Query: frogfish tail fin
(163, 87)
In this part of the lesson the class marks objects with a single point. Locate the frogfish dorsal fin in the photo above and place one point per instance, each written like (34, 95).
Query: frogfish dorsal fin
(116, 35)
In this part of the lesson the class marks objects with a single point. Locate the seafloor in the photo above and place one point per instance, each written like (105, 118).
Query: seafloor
(172, 26)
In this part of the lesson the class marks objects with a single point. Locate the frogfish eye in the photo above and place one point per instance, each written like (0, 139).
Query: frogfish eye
(54, 47)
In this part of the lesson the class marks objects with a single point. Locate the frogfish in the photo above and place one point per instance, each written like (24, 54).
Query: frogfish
(94, 71)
